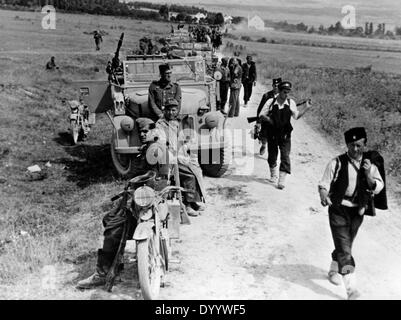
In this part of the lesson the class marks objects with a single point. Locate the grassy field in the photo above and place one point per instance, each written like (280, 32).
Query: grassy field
(59, 218)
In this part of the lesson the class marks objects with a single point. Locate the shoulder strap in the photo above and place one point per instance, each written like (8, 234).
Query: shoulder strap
(336, 169)
(271, 104)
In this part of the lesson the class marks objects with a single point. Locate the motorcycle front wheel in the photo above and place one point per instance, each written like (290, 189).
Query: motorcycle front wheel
(149, 267)
(74, 131)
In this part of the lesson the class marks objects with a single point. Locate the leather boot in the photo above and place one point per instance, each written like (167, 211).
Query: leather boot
(273, 174)
(191, 212)
(350, 286)
(281, 180)
(104, 261)
(334, 276)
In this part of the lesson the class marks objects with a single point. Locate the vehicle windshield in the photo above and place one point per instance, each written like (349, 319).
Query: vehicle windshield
(148, 70)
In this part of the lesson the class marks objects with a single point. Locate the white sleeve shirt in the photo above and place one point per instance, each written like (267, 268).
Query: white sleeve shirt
(328, 177)
(268, 107)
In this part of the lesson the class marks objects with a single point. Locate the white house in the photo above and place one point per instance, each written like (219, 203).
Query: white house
(172, 14)
(256, 22)
(228, 19)
(198, 16)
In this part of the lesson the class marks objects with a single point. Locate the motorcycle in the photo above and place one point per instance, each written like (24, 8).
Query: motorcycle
(152, 209)
(79, 126)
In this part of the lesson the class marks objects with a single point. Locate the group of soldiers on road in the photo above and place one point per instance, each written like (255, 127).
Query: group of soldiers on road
(353, 184)
(209, 34)
(235, 75)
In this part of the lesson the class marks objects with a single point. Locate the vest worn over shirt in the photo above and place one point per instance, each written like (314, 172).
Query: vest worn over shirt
(362, 196)
(281, 119)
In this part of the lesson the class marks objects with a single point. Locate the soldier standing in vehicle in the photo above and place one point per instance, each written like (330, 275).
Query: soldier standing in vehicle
(113, 221)
(347, 187)
(162, 90)
(264, 125)
(98, 38)
(278, 111)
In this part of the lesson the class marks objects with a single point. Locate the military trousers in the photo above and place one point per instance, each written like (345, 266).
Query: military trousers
(344, 225)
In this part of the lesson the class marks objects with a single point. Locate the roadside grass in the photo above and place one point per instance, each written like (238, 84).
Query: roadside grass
(59, 218)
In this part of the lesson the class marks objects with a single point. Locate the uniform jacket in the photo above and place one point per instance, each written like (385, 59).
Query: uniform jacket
(160, 92)
(170, 131)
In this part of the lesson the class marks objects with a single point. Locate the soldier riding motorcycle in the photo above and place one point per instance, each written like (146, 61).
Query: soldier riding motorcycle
(149, 213)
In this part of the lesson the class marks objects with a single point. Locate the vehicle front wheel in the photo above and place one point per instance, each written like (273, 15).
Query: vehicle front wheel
(216, 170)
(122, 162)
(149, 268)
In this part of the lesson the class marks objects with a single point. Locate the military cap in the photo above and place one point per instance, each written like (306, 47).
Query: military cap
(143, 123)
(355, 134)
(276, 81)
(285, 85)
(171, 103)
(164, 68)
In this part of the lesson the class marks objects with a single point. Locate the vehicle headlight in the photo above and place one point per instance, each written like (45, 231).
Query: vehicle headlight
(127, 124)
(144, 196)
(212, 120)
(217, 75)
(146, 214)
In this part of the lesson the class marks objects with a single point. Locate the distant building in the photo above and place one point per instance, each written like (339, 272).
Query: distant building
(198, 16)
(172, 15)
(256, 22)
(228, 19)
(148, 9)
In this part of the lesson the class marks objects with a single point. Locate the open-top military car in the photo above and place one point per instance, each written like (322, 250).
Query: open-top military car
(124, 97)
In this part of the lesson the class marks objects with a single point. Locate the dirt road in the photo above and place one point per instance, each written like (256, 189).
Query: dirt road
(255, 241)
(258, 242)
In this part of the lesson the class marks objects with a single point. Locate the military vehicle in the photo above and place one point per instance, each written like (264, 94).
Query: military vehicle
(124, 97)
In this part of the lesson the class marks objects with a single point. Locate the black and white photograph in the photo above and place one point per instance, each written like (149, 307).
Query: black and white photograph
(200, 150)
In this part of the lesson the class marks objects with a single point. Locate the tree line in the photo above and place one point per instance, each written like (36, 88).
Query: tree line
(158, 12)
(337, 29)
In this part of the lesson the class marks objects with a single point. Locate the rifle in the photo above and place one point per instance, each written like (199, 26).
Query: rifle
(118, 259)
(253, 119)
(184, 214)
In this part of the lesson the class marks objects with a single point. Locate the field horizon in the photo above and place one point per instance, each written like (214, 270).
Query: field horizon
(311, 12)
